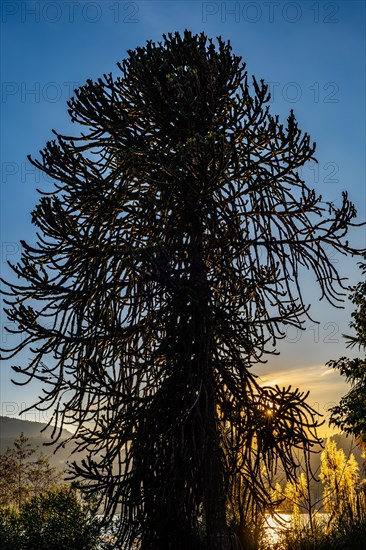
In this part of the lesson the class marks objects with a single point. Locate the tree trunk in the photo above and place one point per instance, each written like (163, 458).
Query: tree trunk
(214, 501)
(217, 532)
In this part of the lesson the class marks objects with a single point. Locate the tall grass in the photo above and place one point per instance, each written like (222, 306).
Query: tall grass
(340, 537)
(344, 532)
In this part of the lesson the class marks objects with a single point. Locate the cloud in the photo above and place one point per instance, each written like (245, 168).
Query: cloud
(307, 377)
(326, 372)
(326, 386)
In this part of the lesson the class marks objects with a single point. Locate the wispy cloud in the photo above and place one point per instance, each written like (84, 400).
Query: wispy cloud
(326, 386)
(303, 377)
(327, 372)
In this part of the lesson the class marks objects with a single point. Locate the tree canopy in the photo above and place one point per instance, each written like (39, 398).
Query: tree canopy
(350, 414)
(168, 263)
(56, 519)
(24, 473)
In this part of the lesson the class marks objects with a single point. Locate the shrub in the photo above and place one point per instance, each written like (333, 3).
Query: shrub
(56, 520)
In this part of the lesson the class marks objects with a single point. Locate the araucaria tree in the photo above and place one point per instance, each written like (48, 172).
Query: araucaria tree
(168, 262)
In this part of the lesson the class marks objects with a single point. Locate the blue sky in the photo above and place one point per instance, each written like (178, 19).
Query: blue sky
(312, 53)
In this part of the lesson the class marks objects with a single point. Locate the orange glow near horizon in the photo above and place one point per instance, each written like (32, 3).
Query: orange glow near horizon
(326, 388)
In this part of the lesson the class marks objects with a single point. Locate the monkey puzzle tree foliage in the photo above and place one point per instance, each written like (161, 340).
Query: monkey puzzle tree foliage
(168, 262)
(350, 414)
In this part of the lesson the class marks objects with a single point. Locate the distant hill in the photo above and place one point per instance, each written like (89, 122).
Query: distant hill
(11, 428)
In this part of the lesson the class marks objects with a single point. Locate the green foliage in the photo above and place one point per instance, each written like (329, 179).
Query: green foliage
(350, 414)
(24, 474)
(55, 520)
(36, 513)
(58, 520)
(10, 529)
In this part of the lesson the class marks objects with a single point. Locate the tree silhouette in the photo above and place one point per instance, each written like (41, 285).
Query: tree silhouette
(168, 261)
(350, 414)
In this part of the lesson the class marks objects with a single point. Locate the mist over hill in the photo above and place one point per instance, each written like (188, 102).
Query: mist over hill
(39, 437)
(11, 427)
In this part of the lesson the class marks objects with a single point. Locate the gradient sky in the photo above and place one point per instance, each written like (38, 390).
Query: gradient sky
(311, 53)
